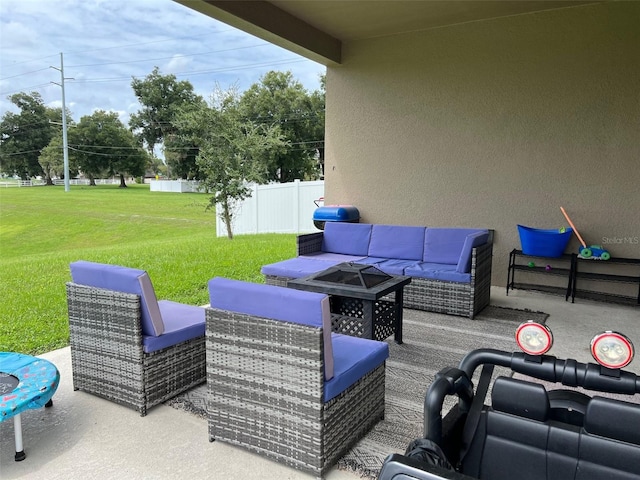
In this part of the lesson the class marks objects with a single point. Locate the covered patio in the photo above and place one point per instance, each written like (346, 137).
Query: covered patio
(477, 114)
(443, 113)
(83, 436)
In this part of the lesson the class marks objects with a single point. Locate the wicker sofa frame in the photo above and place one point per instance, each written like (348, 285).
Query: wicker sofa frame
(107, 356)
(452, 298)
(265, 383)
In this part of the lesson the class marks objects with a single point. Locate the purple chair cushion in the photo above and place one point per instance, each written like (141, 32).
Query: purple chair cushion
(437, 271)
(181, 323)
(297, 267)
(277, 303)
(396, 241)
(126, 280)
(444, 245)
(353, 358)
(391, 266)
(346, 238)
(473, 240)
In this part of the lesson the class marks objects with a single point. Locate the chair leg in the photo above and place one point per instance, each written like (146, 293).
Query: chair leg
(17, 430)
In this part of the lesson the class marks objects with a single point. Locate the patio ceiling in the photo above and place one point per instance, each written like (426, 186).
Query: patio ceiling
(317, 29)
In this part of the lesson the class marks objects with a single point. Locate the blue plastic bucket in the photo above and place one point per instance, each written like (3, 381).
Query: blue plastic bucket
(544, 243)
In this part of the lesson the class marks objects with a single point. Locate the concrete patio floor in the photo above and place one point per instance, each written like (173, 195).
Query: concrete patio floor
(83, 436)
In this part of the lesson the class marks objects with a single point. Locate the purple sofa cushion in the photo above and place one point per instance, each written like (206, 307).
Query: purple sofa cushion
(397, 241)
(444, 245)
(391, 266)
(333, 257)
(473, 240)
(346, 238)
(353, 358)
(297, 267)
(277, 303)
(126, 280)
(438, 271)
(181, 323)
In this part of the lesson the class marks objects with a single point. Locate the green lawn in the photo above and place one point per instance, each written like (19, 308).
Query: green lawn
(43, 229)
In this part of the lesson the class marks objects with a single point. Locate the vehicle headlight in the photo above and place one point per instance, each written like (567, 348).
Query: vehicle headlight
(534, 338)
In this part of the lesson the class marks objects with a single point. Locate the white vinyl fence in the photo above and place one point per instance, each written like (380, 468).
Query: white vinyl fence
(276, 208)
(176, 186)
(37, 182)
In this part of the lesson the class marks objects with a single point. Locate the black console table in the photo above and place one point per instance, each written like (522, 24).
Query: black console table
(576, 271)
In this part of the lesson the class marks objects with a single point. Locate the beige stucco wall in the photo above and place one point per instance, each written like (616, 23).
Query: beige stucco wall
(494, 123)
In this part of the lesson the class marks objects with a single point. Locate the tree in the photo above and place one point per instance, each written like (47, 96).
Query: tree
(162, 96)
(231, 150)
(280, 100)
(23, 135)
(316, 121)
(102, 145)
(51, 157)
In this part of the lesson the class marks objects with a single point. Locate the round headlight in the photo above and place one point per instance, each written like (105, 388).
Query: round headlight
(534, 338)
(612, 349)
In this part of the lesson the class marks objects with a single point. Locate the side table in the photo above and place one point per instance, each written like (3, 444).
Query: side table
(26, 382)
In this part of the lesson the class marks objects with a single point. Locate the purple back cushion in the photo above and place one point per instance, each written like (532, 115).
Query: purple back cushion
(396, 241)
(277, 303)
(444, 245)
(473, 240)
(127, 280)
(346, 238)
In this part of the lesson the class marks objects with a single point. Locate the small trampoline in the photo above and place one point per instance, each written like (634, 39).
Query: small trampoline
(26, 382)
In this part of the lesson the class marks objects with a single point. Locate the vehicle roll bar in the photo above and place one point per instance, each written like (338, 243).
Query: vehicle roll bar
(457, 381)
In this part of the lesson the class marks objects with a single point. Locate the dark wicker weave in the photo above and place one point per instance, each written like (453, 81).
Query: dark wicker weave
(265, 383)
(107, 356)
(453, 298)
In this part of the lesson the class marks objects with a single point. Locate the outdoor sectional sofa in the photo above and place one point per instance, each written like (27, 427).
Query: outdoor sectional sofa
(450, 268)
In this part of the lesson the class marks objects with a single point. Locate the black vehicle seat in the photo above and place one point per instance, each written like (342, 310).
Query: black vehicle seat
(610, 441)
(516, 439)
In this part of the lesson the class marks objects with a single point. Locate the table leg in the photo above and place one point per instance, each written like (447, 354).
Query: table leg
(398, 316)
(368, 307)
(17, 430)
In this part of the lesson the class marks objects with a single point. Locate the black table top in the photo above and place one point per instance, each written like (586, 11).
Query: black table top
(312, 283)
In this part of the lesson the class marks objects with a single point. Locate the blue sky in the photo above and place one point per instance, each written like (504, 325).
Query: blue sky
(106, 43)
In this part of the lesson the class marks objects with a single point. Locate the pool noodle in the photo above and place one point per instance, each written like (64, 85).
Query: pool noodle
(573, 226)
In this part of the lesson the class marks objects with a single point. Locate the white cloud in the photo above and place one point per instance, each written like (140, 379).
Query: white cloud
(178, 63)
(106, 43)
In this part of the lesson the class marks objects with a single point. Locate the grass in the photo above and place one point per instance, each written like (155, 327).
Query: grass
(43, 229)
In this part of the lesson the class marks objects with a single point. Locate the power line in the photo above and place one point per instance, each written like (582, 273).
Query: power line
(199, 72)
(26, 88)
(25, 73)
(150, 42)
(170, 57)
(118, 46)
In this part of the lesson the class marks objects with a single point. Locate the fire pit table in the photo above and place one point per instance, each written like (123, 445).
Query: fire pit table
(356, 295)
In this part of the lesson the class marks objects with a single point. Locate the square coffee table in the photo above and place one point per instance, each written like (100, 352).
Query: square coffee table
(356, 292)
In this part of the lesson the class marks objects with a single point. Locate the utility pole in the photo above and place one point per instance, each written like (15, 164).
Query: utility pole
(65, 146)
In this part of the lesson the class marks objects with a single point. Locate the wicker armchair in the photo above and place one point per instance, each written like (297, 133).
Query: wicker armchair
(125, 345)
(266, 383)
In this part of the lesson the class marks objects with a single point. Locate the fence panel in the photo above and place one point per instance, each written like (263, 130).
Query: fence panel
(177, 186)
(276, 208)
